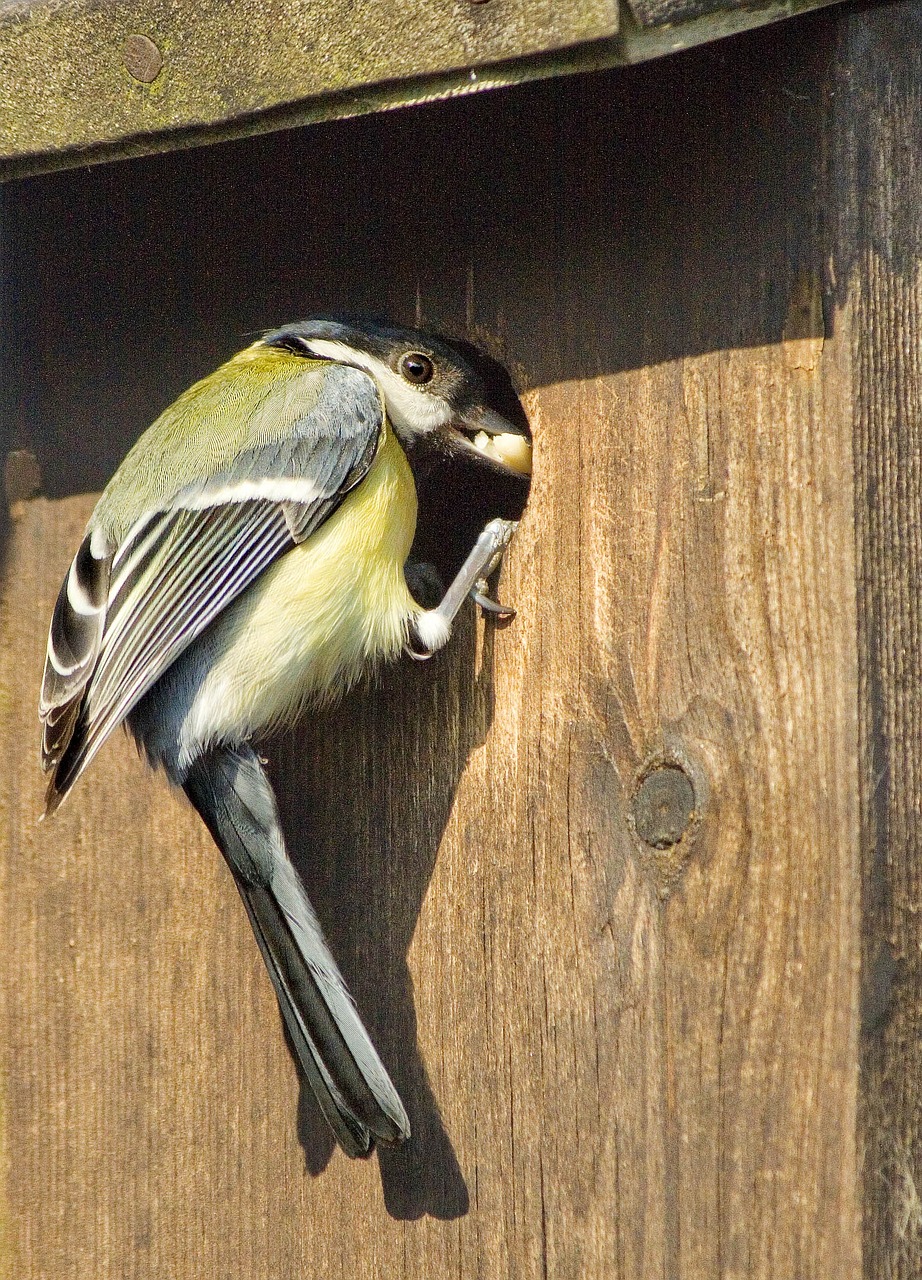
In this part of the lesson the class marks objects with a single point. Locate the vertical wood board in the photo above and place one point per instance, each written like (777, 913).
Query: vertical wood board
(878, 110)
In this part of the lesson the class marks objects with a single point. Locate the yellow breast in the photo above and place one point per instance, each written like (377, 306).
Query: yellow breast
(323, 612)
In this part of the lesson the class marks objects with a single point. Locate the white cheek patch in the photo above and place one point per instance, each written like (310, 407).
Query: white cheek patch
(412, 410)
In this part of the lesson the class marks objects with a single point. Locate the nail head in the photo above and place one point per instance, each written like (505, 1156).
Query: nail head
(143, 60)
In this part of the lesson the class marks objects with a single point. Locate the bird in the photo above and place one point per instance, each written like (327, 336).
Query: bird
(247, 561)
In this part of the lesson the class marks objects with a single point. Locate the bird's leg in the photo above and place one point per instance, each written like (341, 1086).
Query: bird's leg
(432, 627)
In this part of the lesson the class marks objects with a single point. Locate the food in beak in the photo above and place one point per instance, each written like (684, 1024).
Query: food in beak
(513, 451)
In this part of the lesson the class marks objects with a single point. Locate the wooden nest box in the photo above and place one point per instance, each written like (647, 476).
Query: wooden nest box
(629, 891)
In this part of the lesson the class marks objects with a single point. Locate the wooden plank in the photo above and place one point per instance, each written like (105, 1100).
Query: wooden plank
(80, 84)
(84, 74)
(619, 1060)
(878, 115)
(654, 13)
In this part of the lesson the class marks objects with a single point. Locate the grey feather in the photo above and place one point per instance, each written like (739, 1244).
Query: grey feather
(231, 792)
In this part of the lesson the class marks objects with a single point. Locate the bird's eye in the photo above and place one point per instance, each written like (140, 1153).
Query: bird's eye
(416, 368)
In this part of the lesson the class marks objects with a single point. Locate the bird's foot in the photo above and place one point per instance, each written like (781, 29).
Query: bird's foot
(432, 627)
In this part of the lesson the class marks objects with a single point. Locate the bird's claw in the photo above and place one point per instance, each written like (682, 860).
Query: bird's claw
(501, 612)
(418, 655)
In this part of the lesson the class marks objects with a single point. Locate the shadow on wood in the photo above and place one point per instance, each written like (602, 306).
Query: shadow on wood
(365, 792)
(373, 875)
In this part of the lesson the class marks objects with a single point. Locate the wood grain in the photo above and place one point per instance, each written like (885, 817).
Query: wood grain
(877, 168)
(619, 1061)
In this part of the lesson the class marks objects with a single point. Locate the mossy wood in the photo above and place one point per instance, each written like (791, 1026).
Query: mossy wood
(85, 81)
(628, 890)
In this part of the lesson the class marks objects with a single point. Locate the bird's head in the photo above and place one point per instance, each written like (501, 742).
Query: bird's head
(430, 391)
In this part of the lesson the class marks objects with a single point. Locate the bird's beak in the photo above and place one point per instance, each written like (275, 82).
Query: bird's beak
(492, 438)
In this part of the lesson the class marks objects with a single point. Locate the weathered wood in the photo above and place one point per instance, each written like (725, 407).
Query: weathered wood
(85, 82)
(653, 13)
(621, 1058)
(83, 74)
(878, 112)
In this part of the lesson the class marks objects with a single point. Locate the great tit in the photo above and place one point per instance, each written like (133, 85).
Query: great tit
(246, 561)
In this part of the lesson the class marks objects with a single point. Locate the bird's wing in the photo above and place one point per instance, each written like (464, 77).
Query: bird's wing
(126, 612)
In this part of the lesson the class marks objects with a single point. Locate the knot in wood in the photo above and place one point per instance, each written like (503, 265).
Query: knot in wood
(663, 806)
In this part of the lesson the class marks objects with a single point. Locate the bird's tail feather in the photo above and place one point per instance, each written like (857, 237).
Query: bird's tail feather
(230, 790)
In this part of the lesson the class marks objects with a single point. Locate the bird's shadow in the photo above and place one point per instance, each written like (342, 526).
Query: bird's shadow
(365, 791)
